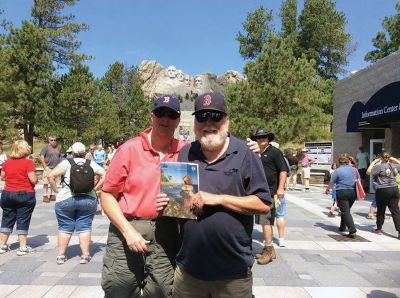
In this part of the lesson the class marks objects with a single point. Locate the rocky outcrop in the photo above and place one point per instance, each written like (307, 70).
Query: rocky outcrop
(160, 81)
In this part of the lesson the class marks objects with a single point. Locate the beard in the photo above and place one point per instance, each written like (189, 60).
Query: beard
(211, 141)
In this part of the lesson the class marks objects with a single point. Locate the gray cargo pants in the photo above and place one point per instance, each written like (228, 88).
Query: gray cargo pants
(127, 274)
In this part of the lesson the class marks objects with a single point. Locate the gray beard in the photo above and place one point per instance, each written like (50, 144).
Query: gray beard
(214, 143)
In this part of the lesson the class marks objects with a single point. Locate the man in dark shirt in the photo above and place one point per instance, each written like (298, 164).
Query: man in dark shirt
(216, 254)
(276, 170)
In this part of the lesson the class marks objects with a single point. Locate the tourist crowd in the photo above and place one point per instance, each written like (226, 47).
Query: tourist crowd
(158, 256)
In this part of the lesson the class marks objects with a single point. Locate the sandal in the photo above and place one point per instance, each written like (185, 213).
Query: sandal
(377, 231)
(331, 214)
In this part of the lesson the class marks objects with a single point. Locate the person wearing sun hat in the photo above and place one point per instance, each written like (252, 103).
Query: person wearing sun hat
(306, 162)
(261, 132)
(275, 169)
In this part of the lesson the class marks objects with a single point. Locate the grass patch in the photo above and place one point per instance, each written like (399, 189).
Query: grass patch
(37, 147)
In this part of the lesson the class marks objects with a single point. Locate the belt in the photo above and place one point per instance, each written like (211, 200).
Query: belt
(131, 218)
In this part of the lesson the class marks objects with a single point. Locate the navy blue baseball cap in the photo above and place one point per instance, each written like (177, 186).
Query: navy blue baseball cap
(210, 101)
(168, 101)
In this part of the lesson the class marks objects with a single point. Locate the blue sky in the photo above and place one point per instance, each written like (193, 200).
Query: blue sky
(195, 36)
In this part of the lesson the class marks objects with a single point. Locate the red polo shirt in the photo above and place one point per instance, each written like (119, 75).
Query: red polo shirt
(135, 174)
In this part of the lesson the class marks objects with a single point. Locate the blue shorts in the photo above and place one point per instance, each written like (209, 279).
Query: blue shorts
(17, 208)
(281, 211)
(76, 214)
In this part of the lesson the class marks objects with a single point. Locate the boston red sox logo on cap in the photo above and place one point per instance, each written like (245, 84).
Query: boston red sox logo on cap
(207, 100)
(168, 101)
(213, 101)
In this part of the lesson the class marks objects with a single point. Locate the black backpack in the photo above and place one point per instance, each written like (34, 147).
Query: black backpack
(81, 179)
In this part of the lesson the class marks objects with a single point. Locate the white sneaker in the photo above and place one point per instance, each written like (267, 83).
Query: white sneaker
(4, 248)
(22, 251)
(61, 259)
(85, 259)
(281, 242)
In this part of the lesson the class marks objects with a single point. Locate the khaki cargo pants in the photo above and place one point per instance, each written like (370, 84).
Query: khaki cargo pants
(128, 274)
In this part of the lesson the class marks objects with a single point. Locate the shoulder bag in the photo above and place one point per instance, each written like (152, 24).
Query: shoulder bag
(359, 189)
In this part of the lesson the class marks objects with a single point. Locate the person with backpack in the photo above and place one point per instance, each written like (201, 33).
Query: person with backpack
(76, 202)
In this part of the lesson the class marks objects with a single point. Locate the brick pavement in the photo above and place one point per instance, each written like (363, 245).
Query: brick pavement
(311, 265)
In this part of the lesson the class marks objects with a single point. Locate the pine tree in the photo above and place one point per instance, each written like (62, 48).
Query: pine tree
(133, 106)
(386, 42)
(322, 37)
(73, 113)
(59, 29)
(257, 27)
(24, 79)
(282, 94)
(27, 59)
(288, 16)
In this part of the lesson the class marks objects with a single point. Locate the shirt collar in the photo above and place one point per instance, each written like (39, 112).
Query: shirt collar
(267, 148)
(175, 146)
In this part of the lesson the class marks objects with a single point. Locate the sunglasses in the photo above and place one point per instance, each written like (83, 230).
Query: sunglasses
(159, 113)
(261, 137)
(214, 116)
(52, 140)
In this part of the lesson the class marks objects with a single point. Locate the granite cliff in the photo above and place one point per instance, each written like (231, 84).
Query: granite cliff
(160, 81)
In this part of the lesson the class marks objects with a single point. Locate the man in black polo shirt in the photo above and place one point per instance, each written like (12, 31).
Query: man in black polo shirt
(276, 170)
(216, 254)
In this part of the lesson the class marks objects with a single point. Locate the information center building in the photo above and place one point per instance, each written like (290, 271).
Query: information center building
(366, 110)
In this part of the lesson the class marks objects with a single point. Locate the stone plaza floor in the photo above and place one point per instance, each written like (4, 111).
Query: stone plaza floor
(313, 263)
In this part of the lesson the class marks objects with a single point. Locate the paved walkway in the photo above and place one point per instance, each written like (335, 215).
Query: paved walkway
(312, 264)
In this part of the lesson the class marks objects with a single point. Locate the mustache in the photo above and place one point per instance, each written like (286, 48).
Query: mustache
(210, 127)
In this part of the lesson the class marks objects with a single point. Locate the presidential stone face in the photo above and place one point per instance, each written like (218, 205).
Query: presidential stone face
(188, 81)
(198, 81)
(171, 72)
(179, 75)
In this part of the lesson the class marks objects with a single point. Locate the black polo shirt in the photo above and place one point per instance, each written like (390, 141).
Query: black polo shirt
(273, 163)
(217, 245)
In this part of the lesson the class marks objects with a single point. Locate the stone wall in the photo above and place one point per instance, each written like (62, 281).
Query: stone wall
(395, 140)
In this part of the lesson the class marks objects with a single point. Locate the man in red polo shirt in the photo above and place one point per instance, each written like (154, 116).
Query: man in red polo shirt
(141, 246)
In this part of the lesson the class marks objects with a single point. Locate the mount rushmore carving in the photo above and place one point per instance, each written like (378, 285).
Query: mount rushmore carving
(159, 81)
